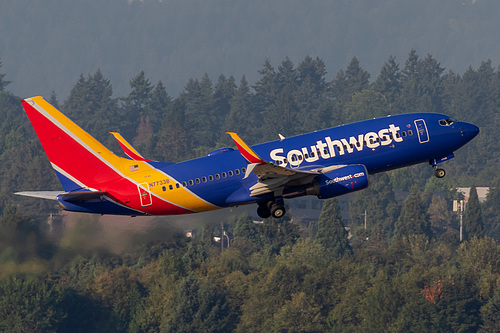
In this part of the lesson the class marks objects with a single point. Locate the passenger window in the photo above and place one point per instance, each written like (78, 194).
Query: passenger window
(177, 185)
(224, 175)
(170, 187)
(191, 183)
(217, 176)
(230, 173)
(184, 184)
(245, 169)
(197, 180)
(410, 132)
(164, 188)
(237, 171)
(204, 179)
(210, 177)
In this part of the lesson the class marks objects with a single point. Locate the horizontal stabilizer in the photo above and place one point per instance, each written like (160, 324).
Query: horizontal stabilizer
(51, 195)
(66, 196)
(82, 196)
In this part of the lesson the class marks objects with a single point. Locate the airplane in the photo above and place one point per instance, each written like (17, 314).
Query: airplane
(326, 163)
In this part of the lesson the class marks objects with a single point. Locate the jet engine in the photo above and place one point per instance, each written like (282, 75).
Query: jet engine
(346, 179)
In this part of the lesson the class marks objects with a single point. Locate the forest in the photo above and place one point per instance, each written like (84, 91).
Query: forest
(403, 270)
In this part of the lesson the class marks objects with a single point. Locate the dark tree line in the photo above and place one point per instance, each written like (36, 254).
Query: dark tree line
(404, 268)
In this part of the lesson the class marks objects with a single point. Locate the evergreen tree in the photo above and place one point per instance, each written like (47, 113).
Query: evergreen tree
(90, 105)
(413, 219)
(224, 91)
(344, 86)
(241, 117)
(331, 231)
(29, 305)
(134, 109)
(3, 83)
(199, 104)
(491, 211)
(388, 82)
(379, 214)
(473, 219)
(490, 314)
(53, 100)
(246, 229)
(158, 105)
(172, 141)
(422, 85)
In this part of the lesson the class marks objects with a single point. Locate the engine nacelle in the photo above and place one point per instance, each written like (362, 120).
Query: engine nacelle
(340, 181)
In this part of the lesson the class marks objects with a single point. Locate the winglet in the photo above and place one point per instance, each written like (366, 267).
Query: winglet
(245, 150)
(128, 149)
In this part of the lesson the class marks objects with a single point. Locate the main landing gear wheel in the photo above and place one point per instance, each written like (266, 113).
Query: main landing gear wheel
(263, 211)
(277, 211)
(440, 173)
(270, 208)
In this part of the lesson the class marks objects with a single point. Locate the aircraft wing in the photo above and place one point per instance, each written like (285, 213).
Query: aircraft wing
(272, 177)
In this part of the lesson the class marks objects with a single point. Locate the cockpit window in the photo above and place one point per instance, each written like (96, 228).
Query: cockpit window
(447, 122)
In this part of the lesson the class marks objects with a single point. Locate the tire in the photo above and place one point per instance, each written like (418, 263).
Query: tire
(440, 173)
(263, 211)
(278, 211)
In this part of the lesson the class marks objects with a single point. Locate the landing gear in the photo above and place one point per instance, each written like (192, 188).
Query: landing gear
(278, 211)
(440, 173)
(263, 211)
(271, 208)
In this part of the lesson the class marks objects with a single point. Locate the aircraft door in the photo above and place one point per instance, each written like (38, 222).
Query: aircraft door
(144, 194)
(423, 135)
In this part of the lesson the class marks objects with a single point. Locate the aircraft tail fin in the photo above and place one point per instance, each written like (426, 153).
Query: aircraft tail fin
(80, 161)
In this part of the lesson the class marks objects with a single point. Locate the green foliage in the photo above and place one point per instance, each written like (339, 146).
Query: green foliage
(30, 305)
(473, 219)
(331, 231)
(270, 279)
(3, 83)
(413, 219)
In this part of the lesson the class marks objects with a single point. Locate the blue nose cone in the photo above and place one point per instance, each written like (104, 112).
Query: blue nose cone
(469, 131)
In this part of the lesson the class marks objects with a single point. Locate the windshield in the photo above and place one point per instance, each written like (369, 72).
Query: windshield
(447, 122)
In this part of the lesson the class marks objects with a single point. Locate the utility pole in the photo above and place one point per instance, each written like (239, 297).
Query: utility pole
(365, 219)
(459, 206)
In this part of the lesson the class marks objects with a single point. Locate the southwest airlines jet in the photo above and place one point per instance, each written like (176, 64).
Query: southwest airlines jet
(324, 163)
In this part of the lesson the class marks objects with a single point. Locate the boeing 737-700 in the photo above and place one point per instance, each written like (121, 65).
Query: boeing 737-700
(325, 163)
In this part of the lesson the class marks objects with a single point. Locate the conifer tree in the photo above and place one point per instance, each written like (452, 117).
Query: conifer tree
(492, 211)
(331, 231)
(3, 83)
(388, 81)
(413, 219)
(473, 219)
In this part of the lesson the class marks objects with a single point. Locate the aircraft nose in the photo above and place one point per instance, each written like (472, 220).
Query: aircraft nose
(469, 131)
